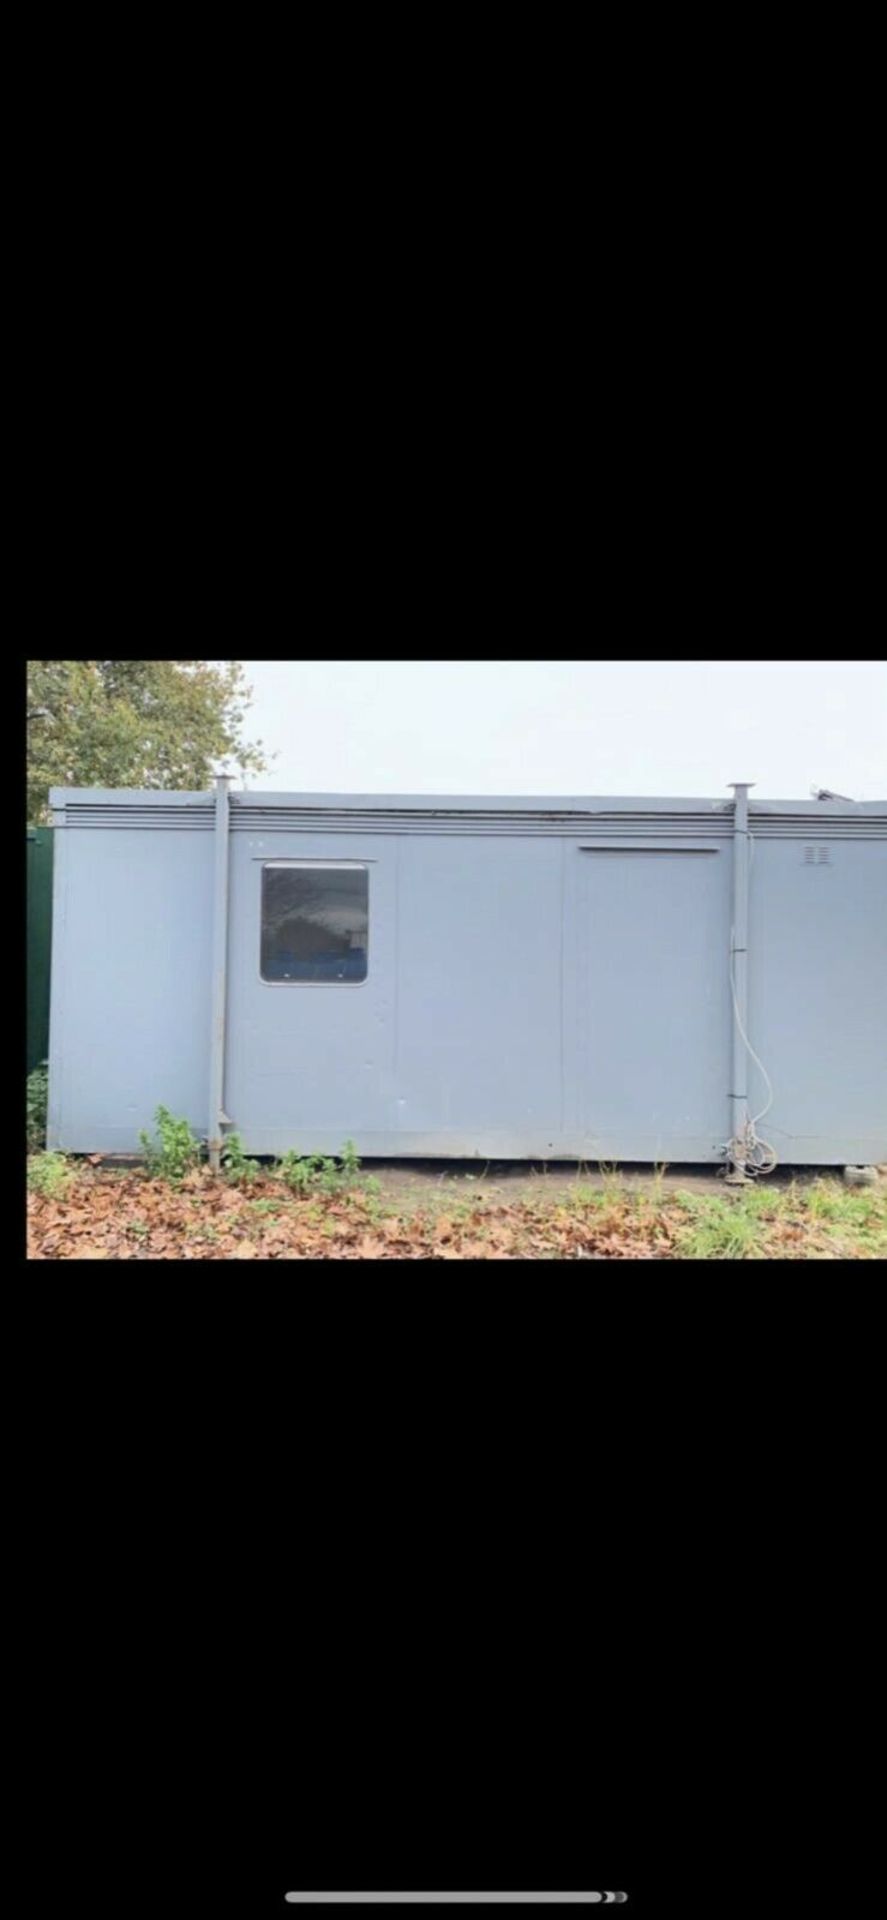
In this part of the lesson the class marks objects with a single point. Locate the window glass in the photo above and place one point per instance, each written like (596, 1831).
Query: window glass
(314, 923)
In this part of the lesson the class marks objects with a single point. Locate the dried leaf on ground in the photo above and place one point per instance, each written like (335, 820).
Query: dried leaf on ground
(109, 1214)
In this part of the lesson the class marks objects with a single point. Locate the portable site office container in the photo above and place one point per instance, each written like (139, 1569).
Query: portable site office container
(510, 978)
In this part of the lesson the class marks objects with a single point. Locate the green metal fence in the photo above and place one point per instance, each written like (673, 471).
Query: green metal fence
(39, 941)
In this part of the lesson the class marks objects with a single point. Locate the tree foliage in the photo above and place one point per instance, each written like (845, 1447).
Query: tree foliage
(134, 723)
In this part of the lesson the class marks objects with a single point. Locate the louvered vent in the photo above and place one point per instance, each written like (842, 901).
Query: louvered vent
(796, 826)
(260, 820)
(707, 823)
(174, 819)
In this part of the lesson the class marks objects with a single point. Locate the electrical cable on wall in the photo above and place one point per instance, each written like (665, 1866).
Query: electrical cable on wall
(753, 1141)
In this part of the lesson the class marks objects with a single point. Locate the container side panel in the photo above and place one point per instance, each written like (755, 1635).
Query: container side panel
(479, 984)
(39, 902)
(130, 986)
(654, 1033)
(455, 1037)
(818, 997)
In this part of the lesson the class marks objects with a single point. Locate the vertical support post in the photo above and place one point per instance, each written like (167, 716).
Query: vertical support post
(739, 990)
(219, 971)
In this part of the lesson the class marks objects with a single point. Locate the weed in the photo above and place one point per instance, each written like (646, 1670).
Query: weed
(830, 1200)
(366, 1197)
(350, 1160)
(203, 1230)
(303, 1171)
(682, 1198)
(269, 1207)
(140, 1228)
(657, 1184)
(174, 1149)
(464, 1208)
(235, 1164)
(582, 1196)
(49, 1174)
(853, 1219)
(719, 1230)
(37, 1094)
(611, 1180)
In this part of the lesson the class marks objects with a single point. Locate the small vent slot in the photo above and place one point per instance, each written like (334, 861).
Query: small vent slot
(822, 856)
(809, 856)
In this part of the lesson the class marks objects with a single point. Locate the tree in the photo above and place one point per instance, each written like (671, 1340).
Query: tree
(133, 723)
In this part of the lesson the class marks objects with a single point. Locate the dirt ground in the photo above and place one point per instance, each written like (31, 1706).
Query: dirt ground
(421, 1182)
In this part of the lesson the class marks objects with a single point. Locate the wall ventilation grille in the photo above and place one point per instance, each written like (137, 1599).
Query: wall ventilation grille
(134, 819)
(259, 820)
(613, 827)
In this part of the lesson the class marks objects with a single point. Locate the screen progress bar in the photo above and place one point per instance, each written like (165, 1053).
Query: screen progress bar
(456, 1899)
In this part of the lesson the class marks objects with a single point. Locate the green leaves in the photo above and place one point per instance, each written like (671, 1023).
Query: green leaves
(174, 1150)
(304, 1171)
(35, 1111)
(133, 723)
(49, 1174)
(235, 1164)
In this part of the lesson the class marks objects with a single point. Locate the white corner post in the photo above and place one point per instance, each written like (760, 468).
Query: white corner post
(217, 1115)
(738, 1148)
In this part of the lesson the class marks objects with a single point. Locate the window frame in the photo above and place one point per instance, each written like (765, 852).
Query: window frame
(317, 864)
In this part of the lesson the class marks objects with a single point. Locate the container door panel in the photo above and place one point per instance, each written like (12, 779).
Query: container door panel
(310, 999)
(654, 1009)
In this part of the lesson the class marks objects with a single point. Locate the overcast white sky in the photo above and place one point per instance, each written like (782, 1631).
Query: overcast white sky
(568, 727)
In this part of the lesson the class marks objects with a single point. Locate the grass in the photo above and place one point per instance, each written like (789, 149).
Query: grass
(718, 1229)
(49, 1174)
(824, 1218)
(37, 1097)
(582, 1197)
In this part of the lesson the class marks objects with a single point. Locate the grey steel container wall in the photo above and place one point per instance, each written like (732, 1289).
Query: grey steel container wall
(818, 994)
(39, 898)
(129, 1025)
(545, 978)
